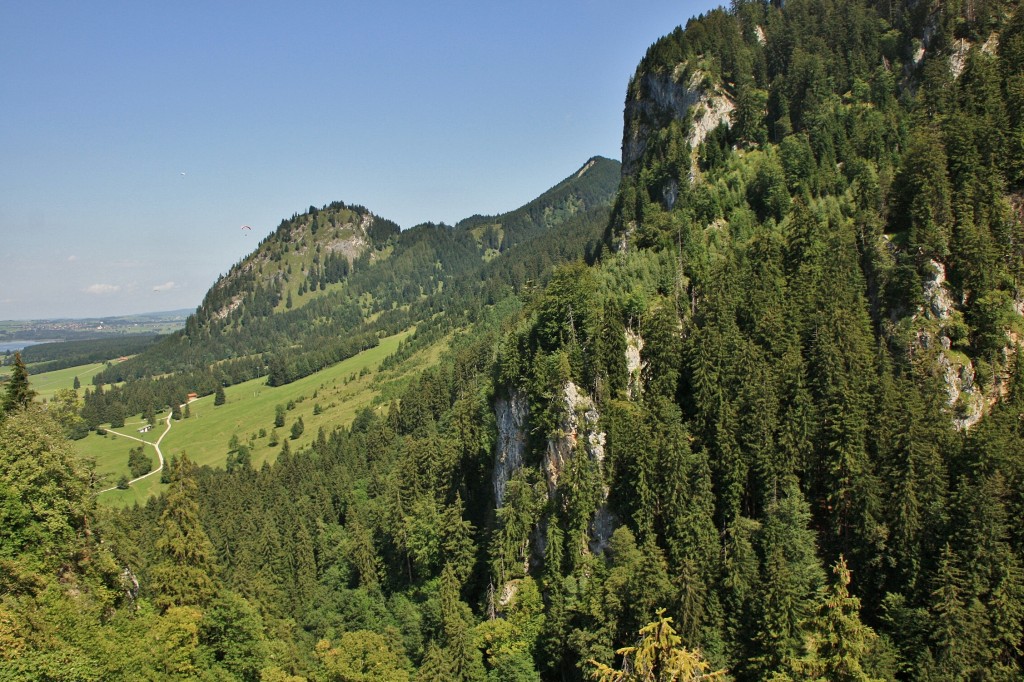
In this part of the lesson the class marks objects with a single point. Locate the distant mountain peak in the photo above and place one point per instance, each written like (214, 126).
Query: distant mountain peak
(587, 166)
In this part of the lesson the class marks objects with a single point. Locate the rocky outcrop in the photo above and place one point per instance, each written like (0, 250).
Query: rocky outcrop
(936, 293)
(231, 306)
(511, 413)
(714, 108)
(129, 583)
(625, 237)
(634, 364)
(965, 397)
(352, 239)
(579, 421)
(587, 166)
(580, 434)
(962, 48)
(662, 97)
(958, 57)
(507, 593)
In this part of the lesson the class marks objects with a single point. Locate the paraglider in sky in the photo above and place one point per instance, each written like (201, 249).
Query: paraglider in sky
(246, 227)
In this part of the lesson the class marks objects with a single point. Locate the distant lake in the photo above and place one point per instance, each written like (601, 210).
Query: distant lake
(17, 345)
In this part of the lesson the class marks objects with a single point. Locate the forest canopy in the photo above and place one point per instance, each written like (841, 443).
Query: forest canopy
(756, 414)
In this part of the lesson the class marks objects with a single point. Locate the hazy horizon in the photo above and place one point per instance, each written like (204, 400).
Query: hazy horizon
(114, 316)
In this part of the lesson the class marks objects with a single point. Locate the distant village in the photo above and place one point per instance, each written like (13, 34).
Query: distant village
(67, 329)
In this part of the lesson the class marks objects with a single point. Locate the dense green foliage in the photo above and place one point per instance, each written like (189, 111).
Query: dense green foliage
(772, 423)
(550, 209)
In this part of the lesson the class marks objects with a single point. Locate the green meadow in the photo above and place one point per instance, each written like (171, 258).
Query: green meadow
(110, 452)
(248, 414)
(48, 383)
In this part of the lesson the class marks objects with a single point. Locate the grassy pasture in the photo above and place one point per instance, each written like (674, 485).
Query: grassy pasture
(110, 452)
(340, 390)
(251, 406)
(138, 492)
(48, 383)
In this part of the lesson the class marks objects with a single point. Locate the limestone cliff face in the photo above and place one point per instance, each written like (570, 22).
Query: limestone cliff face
(967, 401)
(658, 98)
(654, 100)
(634, 364)
(579, 423)
(353, 239)
(940, 302)
(580, 435)
(512, 413)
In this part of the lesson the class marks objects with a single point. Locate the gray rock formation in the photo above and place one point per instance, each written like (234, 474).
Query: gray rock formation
(634, 364)
(661, 97)
(511, 413)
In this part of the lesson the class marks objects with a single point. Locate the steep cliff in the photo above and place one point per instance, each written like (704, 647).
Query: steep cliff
(511, 415)
(656, 98)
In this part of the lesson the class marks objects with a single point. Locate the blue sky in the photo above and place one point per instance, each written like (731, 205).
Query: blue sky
(418, 111)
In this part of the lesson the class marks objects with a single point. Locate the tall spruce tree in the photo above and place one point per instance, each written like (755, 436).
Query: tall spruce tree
(18, 394)
(184, 574)
(837, 644)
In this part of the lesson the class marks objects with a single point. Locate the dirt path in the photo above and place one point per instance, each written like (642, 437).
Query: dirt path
(155, 445)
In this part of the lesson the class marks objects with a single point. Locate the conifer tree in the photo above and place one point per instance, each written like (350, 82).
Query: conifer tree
(183, 576)
(837, 644)
(232, 629)
(115, 415)
(18, 394)
(792, 576)
(435, 665)
(363, 555)
(45, 495)
(455, 636)
(956, 631)
(659, 656)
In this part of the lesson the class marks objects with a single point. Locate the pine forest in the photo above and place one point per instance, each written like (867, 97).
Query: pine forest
(748, 405)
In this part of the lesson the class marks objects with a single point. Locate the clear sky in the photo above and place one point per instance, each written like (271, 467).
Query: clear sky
(137, 137)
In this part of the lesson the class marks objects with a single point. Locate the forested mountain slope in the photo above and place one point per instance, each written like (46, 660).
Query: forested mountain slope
(781, 401)
(814, 261)
(326, 284)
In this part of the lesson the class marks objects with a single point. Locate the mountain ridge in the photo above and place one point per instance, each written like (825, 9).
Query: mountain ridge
(328, 281)
(722, 440)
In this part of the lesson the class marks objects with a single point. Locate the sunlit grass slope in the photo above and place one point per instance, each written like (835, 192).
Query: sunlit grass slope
(340, 391)
(48, 383)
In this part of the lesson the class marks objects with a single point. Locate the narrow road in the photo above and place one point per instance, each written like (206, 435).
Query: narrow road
(156, 445)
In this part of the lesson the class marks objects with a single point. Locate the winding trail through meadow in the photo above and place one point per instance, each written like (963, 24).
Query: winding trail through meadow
(155, 445)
